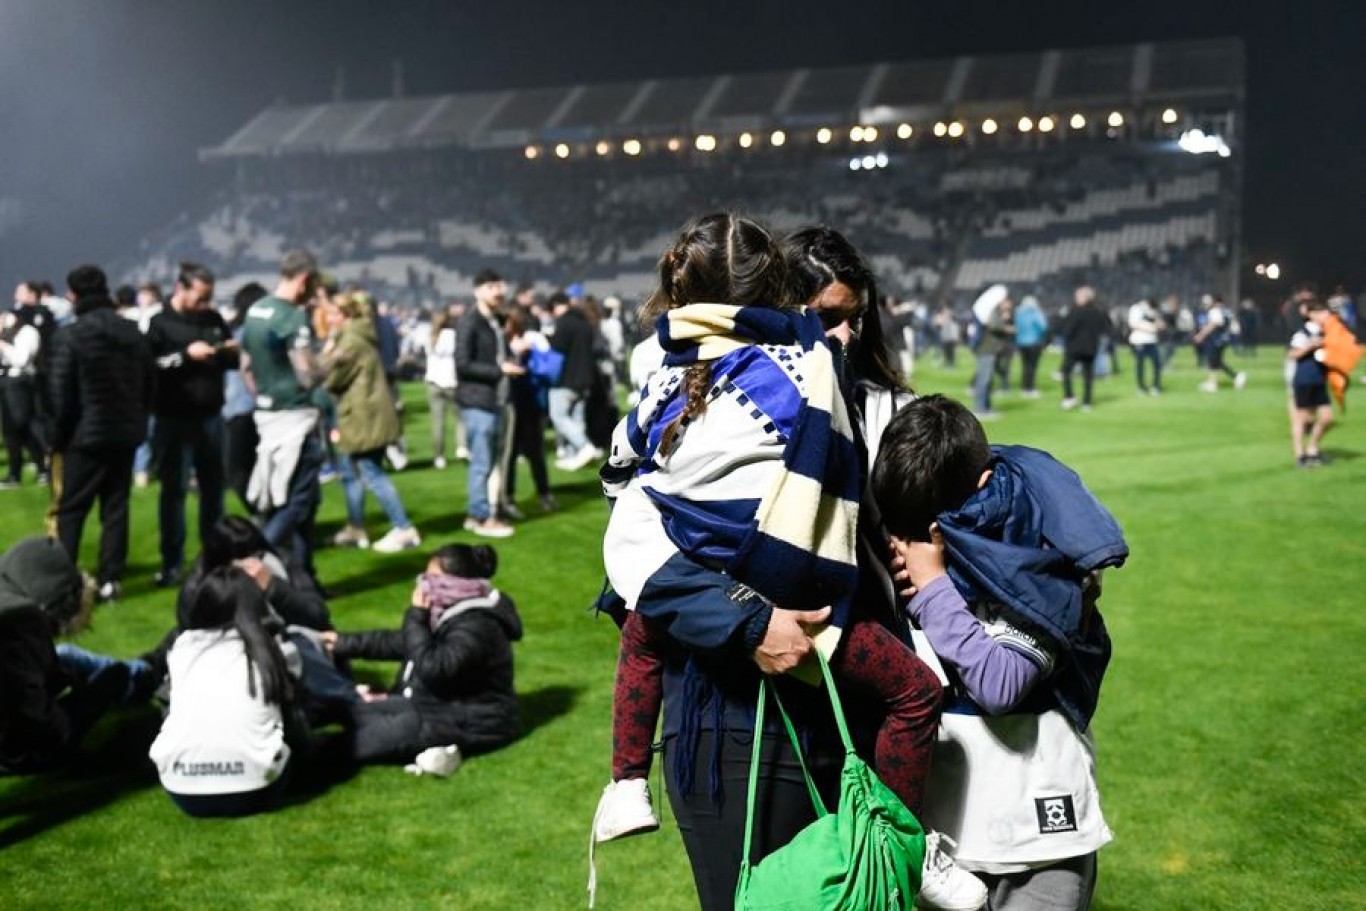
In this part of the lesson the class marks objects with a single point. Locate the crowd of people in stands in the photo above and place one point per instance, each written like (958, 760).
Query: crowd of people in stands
(778, 494)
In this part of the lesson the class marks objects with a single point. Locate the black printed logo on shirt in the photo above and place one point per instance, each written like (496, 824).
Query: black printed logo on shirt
(1056, 814)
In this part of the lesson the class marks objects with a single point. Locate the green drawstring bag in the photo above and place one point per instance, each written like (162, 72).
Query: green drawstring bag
(866, 856)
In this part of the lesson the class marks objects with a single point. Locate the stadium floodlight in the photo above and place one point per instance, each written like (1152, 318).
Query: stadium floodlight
(904, 131)
(1169, 115)
(869, 162)
(1046, 124)
(705, 143)
(940, 128)
(823, 135)
(746, 140)
(989, 126)
(1116, 119)
(1025, 125)
(881, 159)
(1078, 121)
(631, 147)
(856, 134)
(778, 138)
(562, 151)
(870, 134)
(1273, 271)
(1197, 142)
(532, 152)
(855, 164)
(955, 129)
(675, 144)
(603, 147)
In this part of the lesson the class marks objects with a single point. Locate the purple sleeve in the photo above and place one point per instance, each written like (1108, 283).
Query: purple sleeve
(995, 676)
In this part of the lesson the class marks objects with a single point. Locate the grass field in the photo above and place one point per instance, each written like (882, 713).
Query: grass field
(1229, 734)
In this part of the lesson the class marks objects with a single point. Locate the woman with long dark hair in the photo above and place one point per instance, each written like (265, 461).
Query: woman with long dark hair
(222, 750)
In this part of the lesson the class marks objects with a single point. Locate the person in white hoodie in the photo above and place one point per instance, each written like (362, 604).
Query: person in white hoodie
(222, 750)
(1145, 325)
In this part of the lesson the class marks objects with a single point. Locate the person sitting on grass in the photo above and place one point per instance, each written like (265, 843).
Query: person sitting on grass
(996, 545)
(455, 684)
(226, 745)
(42, 716)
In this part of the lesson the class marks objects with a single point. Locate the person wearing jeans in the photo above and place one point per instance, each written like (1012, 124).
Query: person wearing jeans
(573, 338)
(1144, 326)
(482, 368)
(994, 312)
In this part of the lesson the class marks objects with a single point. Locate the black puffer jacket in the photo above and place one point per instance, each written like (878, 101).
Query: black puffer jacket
(102, 380)
(458, 676)
(39, 590)
(477, 363)
(574, 339)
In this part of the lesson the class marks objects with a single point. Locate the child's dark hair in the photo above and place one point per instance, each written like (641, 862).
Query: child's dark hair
(477, 561)
(718, 259)
(227, 598)
(232, 538)
(931, 458)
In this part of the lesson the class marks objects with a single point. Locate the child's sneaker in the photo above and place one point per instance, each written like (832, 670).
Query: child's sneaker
(351, 536)
(398, 539)
(944, 885)
(624, 809)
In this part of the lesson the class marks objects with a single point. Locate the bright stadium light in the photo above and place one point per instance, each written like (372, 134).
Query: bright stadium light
(940, 129)
(1025, 125)
(1261, 269)
(904, 131)
(603, 147)
(823, 135)
(881, 159)
(1116, 119)
(631, 147)
(1273, 271)
(532, 152)
(955, 129)
(1197, 142)
(675, 144)
(870, 134)
(778, 138)
(705, 143)
(989, 126)
(561, 151)
(1077, 122)
(1169, 116)
(746, 140)
(855, 164)
(856, 134)
(869, 162)
(1046, 124)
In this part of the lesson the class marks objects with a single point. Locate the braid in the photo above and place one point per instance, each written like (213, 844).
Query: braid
(696, 385)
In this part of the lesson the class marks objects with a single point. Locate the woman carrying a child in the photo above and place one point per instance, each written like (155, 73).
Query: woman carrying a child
(751, 431)
(455, 684)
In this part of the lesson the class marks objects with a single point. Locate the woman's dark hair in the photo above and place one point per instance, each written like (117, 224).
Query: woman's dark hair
(227, 598)
(232, 538)
(931, 457)
(817, 257)
(478, 561)
(518, 320)
(721, 258)
(246, 295)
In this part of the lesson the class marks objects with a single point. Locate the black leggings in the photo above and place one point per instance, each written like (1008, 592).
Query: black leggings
(528, 441)
(714, 833)
(21, 419)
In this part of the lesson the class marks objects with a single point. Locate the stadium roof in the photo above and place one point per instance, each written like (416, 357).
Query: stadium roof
(1131, 77)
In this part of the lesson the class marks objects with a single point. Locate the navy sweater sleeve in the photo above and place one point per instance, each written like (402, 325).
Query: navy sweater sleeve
(703, 609)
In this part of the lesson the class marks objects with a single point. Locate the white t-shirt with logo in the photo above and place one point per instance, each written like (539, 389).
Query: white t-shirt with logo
(217, 737)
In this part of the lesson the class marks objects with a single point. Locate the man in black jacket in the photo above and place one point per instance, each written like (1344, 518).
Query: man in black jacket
(482, 368)
(101, 381)
(193, 349)
(1083, 331)
(574, 339)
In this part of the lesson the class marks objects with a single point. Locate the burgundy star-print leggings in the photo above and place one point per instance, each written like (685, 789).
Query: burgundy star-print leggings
(871, 664)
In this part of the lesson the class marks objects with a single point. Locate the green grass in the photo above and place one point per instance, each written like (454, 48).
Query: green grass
(1229, 733)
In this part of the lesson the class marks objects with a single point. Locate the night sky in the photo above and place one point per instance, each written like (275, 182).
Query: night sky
(104, 103)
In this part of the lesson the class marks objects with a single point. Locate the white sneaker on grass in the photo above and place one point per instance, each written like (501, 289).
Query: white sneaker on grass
(439, 462)
(351, 536)
(945, 886)
(1240, 380)
(624, 809)
(398, 539)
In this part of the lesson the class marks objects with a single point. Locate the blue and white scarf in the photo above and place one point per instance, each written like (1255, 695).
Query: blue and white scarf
(795, 543)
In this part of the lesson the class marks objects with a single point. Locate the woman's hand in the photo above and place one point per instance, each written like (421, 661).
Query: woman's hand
(420, 597)
(328, 637)
(915, 564)
(787, 641)
(256, 569)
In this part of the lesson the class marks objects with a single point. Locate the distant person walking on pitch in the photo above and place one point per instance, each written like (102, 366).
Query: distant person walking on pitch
(1084, 330)
(1145, 327)
(1212, 341)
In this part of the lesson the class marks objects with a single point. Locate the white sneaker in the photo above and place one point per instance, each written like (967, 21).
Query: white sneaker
(624, 809)
(1240, 380)
(1069, 404)
(490, 528)
(397, 457)
(462, 454)
(581, 459)
(439, 761)
(398, 539)
(439, 462)
(351, 536)
(1209, 386)
(944, 885)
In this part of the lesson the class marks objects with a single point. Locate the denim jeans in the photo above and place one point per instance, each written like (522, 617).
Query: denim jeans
(179, 444)
(363, 468)
(981, 383)
(481, 427)
(567, 414)
(82, 665)
(1148, 354)
(291, 526)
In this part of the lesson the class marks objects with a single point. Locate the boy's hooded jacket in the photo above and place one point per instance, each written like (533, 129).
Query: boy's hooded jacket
(40, 590)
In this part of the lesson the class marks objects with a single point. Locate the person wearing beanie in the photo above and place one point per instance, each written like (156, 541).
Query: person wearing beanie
(42, 596)
(101, 382)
